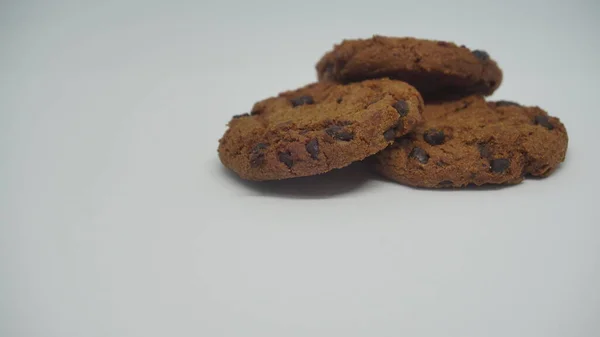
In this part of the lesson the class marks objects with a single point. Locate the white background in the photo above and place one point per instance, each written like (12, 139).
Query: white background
(117, 219)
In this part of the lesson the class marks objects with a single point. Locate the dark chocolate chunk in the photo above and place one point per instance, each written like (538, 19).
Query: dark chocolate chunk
(257, 156)
(339, 133)
(446, 183)
(402, 107)
(312, 147)
(389, 134)
(543, 121)
(420, 154)
(482, 55)
(434, 137)
(499, 165)
(484, 150)
(302, 100)
(286, 158)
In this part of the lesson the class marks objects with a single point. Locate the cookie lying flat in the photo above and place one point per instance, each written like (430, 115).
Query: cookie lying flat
(470, 141)
(318, 128)
(436, 68)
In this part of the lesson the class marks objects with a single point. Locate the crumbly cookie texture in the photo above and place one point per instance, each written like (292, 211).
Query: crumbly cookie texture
(471, 141)
(318, 128)
(437, 69)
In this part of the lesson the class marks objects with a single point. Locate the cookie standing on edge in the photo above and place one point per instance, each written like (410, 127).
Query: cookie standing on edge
(437, 69)
(318, 128)
(470, 141)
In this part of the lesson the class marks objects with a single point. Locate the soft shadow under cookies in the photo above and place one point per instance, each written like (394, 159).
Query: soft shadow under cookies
(334, 183)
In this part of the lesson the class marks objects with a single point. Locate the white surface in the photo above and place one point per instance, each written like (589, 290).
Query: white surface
(116, 218)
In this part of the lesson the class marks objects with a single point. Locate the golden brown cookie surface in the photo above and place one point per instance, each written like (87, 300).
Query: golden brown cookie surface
(471, 141)
(318, 128)
(436, 68)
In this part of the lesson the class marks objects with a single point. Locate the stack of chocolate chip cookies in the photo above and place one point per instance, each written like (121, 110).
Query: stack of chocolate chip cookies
(414, 108)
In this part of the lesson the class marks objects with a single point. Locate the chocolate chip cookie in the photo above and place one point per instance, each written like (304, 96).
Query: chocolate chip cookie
(471, 141)
(437, 69)
(318, 128)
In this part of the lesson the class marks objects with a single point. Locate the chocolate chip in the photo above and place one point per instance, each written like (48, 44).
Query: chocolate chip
(420, 154)
(443, 43)
(312, 147)
(255, 112)
(240, 116)
(338, 132)
(507, 103)
(434, 137)
(302, 100)
(257, 159)
(345, 136)
(402, 107)
(257, 156)
(446, 183)
(543, 121)
(389, 134)
(480, 54)
(484, 150)
(339, 100)
(499, 165)
(286, 158)
(332, 130)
